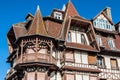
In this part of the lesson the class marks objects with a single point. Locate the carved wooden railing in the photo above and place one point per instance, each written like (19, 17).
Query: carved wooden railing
(80, 65)
(110, 73)
(36, 57)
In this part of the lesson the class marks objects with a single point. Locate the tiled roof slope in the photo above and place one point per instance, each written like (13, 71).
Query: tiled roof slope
(37, 26)
(69, 12)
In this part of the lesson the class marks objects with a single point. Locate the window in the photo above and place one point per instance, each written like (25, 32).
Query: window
(111, 43)
(113, 64)
(69, 56)
(69, 37)
(77, 37)
(83, 40)
(58, 15)
(103, 24)
(99, 41)
(100, 62)
(91, 59)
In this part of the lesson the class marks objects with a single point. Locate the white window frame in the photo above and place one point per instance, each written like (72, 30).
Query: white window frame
(103, 24)
(99, 40)
(111, 43)
(75, 40)
(58, 15)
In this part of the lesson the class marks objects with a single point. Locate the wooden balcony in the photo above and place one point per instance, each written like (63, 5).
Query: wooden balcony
(36, 57)
(80, 67)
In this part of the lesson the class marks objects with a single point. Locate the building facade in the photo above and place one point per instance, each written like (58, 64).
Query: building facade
(64, 46)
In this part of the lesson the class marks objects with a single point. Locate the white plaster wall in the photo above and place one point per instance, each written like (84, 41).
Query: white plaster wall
(102, 17)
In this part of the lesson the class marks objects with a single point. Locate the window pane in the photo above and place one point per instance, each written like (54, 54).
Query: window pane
(77, 56)
(73, 37)
(85, 77)
(100, 62)
(78, 38)
(83, 40)
(78, 77)
(69, 37)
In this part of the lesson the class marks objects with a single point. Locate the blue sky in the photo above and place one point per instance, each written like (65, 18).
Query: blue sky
(14, 11)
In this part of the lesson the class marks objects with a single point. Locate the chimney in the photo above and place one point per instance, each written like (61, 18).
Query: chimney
(107, 11)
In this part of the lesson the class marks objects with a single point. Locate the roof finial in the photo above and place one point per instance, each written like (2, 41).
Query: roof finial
(38, 8)
(69, 0)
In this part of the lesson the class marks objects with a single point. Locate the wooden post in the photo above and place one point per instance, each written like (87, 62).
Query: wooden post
(51, 51)
(36, 46)
(17, 53)
(21, 51)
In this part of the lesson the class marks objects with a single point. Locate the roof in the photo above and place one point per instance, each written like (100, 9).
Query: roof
(37, 26)
(102, 12)
(81, 47)
(70, 11)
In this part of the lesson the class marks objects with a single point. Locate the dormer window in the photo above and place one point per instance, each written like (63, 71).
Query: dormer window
(76, 35)
(58, 15)
(102, 23)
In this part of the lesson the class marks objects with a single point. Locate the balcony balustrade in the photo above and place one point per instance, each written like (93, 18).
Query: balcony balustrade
(36, 57)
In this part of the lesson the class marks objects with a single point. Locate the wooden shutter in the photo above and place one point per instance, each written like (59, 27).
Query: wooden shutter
(91, 59)
(31, 76)
(70, 77)
(113, 63)
(40, 76)
(69, 56)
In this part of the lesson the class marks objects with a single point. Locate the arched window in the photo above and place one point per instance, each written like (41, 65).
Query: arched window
(83, 40)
